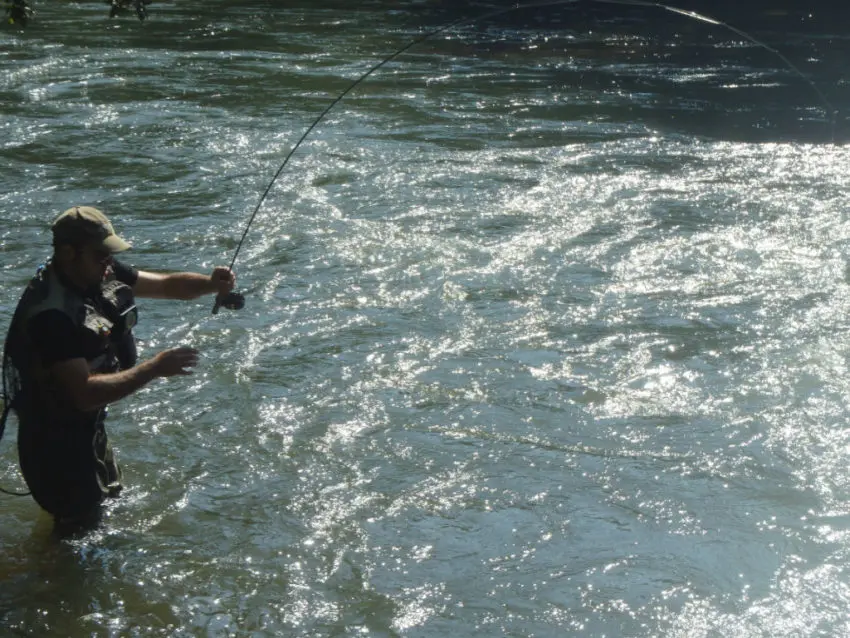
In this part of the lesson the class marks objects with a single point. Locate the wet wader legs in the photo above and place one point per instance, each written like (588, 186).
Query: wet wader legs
(70, 468)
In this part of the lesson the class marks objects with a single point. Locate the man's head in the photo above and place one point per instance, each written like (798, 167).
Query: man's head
(82, 225)
(83, 243)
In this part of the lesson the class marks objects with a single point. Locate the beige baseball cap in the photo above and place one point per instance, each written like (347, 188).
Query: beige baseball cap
(84, 225)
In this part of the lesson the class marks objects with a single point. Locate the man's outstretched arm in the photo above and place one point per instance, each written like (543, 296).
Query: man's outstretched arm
(183, 285)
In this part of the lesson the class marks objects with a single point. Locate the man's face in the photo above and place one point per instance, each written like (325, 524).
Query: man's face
(91, 263)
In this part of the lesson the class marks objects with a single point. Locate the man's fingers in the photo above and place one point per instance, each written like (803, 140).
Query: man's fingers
(224, 277)
(176, 361)
(188, 358)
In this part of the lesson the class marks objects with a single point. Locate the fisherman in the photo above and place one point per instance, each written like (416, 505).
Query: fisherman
(72, 352)
(119, 6)
(18, 12)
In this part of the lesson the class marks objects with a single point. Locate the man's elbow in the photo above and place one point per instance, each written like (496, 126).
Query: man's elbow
(89, 396)
(85, 401)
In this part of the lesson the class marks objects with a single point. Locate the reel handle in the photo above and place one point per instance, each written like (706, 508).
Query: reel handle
(231, 301)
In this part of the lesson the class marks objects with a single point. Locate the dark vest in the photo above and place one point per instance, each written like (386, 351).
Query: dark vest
(104, 322)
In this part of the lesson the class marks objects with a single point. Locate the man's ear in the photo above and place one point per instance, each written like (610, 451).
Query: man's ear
(64, 252)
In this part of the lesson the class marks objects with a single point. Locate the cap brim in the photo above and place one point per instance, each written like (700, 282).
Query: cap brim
(115, 244)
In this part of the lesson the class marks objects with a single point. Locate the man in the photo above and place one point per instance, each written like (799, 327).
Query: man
(71, 352)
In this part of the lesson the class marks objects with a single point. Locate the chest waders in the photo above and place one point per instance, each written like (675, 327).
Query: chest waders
(64, 453)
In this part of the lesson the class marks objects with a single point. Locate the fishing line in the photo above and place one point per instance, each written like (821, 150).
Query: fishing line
(236, 300)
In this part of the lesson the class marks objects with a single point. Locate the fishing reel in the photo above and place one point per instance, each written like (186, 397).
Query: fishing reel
(125, 5)
(231, 301)
(19, 12)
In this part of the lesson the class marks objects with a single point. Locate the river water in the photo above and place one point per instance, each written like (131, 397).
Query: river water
(545, 330)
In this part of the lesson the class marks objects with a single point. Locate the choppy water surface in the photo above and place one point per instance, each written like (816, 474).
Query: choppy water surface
(546, 326)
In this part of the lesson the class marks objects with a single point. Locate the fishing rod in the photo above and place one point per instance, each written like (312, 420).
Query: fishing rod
(236, 301)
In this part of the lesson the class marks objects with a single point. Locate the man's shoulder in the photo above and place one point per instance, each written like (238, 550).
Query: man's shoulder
(124, 273)
(47, 293)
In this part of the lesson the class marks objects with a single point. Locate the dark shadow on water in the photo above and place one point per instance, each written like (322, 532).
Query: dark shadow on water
(668, 72)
